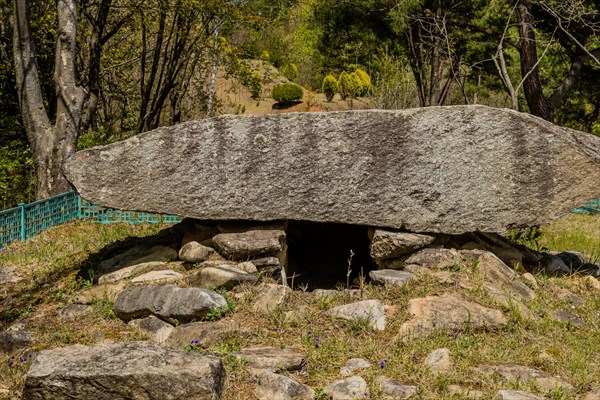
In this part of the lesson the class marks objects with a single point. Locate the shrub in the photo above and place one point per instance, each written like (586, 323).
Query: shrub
(255, 85)
(290, 71)
(357, 85)
(287, 93)
(345, 86)
(330, 87)
(366, 81)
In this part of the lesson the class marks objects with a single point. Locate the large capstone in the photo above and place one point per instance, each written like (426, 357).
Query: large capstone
(438, 169)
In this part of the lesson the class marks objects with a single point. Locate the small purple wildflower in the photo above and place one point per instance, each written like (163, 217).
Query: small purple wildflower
(10, 364)
(30, 356)
(413, 359)
(195, 342)
(309, 333)
(317, 340)
(382, 364)
(366, 394)
(22, 359)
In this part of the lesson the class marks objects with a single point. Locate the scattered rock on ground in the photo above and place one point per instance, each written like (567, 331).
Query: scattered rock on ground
(107, 291)
(529, 278)
(464, 392)
(14, 339)
(247, 266)
(272, 358)
(435, 258)
(394, 390)
(350, 388)
(194, 252)
(517, 395)
(242, 246)
(448, 311)
(594, 395)
(389, 244)
(523, 373)
(73, 311)
(8, 276)
(270, 296)
(223, 275)
(130, 370)
(158, 277)
(591, 282)
(569, 317)
(168, 302)
(272, 386)
(439, 360)
(202, 334)
(370, 311)
(391, 277)
(157, 329)
(137, 255)
(132, 270)
(354, 364)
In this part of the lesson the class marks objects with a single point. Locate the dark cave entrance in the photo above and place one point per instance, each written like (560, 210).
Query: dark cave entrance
(318, 253)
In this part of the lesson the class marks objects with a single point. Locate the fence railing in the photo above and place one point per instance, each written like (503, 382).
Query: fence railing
(27, 220)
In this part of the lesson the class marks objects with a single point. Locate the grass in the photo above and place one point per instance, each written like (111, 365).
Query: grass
(52, 265)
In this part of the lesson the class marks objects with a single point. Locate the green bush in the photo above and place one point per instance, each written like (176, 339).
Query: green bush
(345, 85)
(255, 85)
(290, 71)
(287, 93)
(330, 87)
(366, 81)
(357, 85)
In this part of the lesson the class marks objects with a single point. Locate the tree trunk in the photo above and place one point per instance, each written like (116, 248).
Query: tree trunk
(50, 145)
(532, 86)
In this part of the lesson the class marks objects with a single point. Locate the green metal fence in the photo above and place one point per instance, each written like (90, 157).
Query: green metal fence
(27, 220)
(591, 207)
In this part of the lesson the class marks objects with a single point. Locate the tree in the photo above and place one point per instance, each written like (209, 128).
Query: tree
(51, 143)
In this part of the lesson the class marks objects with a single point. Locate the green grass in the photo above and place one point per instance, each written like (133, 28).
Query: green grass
(52, 265)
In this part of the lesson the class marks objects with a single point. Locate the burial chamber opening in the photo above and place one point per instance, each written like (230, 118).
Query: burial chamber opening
(318, 254)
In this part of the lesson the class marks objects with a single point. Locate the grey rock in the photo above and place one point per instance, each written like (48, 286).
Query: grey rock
(393, 390)
(72, 311)
(158, 277)
(439, 360)
(131, 370)
(554, 265)
(354, 364)
(14, 339)
(247, 267)
(435, 258)
(157, 329)
(370, 311)
(351, 388)
(390, 277)
(132, 270)
(269, 297)
(448, 312)
(523, 373)
(137, 255)
(419, 169)
(333, 293)
(569, 318)
(593, 395)
(8, 276)
(272, 386)
(517, 395)
(203, 334)
(244, 245)
(272, 358)
(194, 252)
(168, 302)
(223, 275)
(390, 244)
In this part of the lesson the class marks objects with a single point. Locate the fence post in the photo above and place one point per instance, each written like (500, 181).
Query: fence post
(22, 211)
(78, 206)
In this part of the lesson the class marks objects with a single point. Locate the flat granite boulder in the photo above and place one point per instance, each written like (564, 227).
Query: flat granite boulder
(168, 302)
(133, 370)
(448, 169)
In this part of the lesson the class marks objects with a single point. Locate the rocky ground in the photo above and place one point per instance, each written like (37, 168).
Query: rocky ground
(130, 312)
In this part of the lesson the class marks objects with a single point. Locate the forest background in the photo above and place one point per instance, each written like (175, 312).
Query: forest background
(78, 73)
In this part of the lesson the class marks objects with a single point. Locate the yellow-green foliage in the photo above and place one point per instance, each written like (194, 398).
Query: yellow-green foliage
(330, 87)
(366, 81)
(287, 93)
(345, 85)
(357, 84)
(255, 85)
(290, 71)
